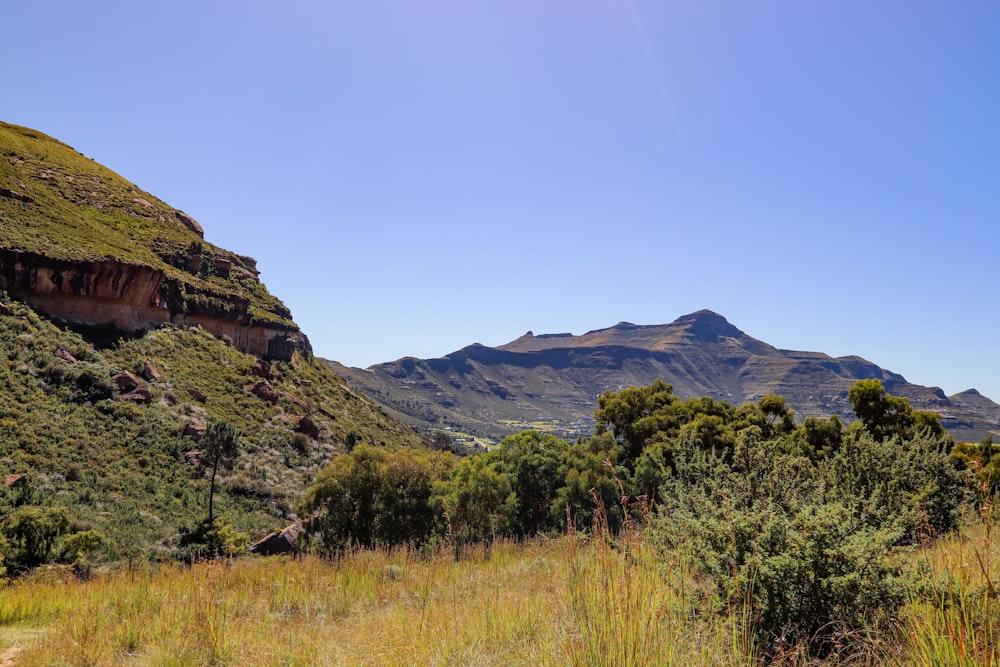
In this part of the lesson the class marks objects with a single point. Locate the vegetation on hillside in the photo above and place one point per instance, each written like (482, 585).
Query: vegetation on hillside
(680, 532)
(120, 465)
(796, 529)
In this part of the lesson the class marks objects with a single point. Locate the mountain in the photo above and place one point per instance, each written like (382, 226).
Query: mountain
(552, 381)
(124, 334)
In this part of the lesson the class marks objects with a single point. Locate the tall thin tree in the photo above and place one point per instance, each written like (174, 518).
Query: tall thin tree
(221, 446)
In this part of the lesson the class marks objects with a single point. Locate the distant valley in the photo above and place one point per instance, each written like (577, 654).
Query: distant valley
(551, 382)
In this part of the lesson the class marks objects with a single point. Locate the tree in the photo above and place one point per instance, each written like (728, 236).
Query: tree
(534, 463)
(636, 414)
(885, 416)
(32, 533)
(882, 414)
(219, 451)
(478, 500)
(371, 497)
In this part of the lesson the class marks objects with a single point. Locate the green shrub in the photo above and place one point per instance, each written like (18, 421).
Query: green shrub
(478, 500)
(902, 486)
(31, 534)
(373, 497)
(801, 571)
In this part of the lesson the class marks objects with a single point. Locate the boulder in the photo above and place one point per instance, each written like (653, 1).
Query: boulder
(290, 398)
(139, 395)
(190, 223)
(149, 371)
(262, 369)
(307, 426)
(262, 389)
(17, 479)
(193, 457)
(125, 381)
(194, 431)
(223, 267)
(197, 395)
(5, 309)
(65, 356)
(280, 541)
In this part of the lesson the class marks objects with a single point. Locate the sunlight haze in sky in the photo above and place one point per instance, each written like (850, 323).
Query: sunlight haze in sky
(413, 177)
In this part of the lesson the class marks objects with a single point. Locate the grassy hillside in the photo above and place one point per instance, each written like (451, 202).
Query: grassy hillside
(62, 205)
(119, 466)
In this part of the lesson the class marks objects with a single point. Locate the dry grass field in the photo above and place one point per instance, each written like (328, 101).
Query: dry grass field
(573, 600)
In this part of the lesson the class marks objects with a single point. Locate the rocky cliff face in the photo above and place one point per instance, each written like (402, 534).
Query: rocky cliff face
(139, 298)
(85, 246)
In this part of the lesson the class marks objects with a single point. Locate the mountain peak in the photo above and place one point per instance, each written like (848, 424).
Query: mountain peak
(707, 325)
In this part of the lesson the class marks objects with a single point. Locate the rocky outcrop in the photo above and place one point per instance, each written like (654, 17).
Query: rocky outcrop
(263, 390)
(138, 298)
(279, 542)
(139, 395)
(17, 479)
(125, 381)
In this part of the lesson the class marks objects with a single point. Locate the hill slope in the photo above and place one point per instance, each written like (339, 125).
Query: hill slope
(552, 381)
(118, 349)
(86, 246)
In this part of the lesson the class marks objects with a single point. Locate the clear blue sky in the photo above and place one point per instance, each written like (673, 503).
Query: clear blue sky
(417, 176)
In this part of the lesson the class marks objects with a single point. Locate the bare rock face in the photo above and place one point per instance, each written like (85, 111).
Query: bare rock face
(70, 257)
(138, 298)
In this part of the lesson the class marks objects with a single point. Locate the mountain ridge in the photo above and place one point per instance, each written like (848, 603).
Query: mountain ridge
(552, 380)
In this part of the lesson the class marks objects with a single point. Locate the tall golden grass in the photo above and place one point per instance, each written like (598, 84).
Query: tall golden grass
(575, 600)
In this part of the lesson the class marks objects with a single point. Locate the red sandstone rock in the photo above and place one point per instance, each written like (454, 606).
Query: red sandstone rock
(139, 395)
(149, 371)
(307, 426)
(262, 369)
(262, 389)
(125, 381)
(17, 479)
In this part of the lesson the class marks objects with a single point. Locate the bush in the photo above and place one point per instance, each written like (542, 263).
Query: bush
(371, 497)
(31, 534)
(901, 486)
(801, 571)
(212, 539)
